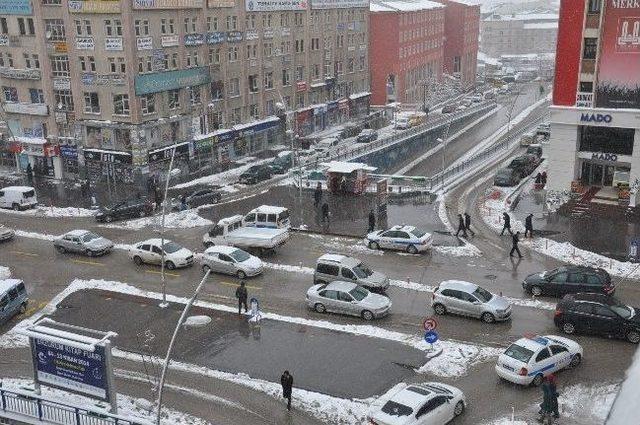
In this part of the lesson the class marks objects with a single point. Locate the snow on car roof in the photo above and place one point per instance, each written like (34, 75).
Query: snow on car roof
(224, 249)
(412, 398)
(153, 241)
(229, 220)
(77, 232)
(404, 227)
(458, 284)
(339, 285)
(332, 257)
(18, 188)
(268, 209)
(534, 342)
(7, 284)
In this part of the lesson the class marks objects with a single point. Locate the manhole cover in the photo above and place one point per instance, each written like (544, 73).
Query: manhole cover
(490, 276)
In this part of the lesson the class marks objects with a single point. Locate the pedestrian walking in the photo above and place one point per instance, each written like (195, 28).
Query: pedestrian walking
(372, 221)
(461, 226)
(325, 212)
(467, 224)
(317, 195)
(343, 184)
(183, 202)
(528, 226)
(29, 172)
(241, 295)
(515, 239)
(549, 405)
(544, 178)
(157, 197)
(286, 380)
(507, 224)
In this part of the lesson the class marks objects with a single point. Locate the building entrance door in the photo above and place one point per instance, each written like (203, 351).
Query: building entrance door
(594, 174)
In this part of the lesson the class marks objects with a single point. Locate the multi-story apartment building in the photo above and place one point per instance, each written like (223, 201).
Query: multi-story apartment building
(519, 34)
(595, 117)
(406, 47)
(111, 87)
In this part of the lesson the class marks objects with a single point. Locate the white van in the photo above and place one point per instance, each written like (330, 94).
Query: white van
(18, 197)
(268, 216)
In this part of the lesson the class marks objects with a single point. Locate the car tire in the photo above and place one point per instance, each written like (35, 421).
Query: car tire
(488, 317)
(205, 269)
(170, 265)
(575, 360)
(374, 245)
(412, 249)
(537, 380)
(61, 249)
(367, 315)
(536, 291)
(458, 409)
(440, 309)
(16, 207)
(320, 308)
(633, 336)
(568, 328)
(208, 244)
(241, 274)
(137, 260)
(89, 253)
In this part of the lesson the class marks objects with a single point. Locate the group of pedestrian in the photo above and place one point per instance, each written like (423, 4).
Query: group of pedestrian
(464, 225)
(541, 179)
(515, 237)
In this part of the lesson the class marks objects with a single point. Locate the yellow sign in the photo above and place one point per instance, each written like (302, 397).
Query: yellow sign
(60, 47)
(94, 6)
(166, 4)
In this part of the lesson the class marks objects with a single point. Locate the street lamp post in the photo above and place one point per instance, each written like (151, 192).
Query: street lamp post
(164, 303)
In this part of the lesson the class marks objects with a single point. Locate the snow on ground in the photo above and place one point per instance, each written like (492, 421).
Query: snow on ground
(34, 235)
(5, 272)
(128, 407)
(224, 178)
(337, 245)
(174, 220)
(456, 358)
(57, 212)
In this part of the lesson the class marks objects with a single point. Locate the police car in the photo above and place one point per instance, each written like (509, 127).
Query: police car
(403, 238)
(528, 360)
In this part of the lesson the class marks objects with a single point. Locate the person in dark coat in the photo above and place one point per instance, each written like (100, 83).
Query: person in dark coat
(325, 212)
(467, 224)
(317, 195)
(544, 178)
(514, 245)
(528, 226)
(241, 295)
(183, 202)
(286, 380)
(29, 172)
(461, 227)
(372, 221)
(550, 395)
(157, 197)
(507, 224)
(538, 178)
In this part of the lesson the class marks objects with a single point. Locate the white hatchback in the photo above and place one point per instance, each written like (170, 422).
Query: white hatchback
(528, 360)
(150, 252)
(428, 403)
(230, 260)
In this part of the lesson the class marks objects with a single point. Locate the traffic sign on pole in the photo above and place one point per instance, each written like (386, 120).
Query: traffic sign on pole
(429, 324)
(431, 336)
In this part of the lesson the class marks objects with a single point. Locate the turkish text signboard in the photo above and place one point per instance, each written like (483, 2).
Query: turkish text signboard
(61, 366)
(619, 63)
(338, 4)
(15, 7)
(271, 5)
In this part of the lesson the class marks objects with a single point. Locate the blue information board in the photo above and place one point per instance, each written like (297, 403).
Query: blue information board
(69, 368)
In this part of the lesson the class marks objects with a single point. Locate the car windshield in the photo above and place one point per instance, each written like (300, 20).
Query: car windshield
(359, 293)
(171, 247)
(362, 270)
(87, 237)
(419, 233)
(482, 294)
(392, 408)
(239, 255)
(623, 311)
(519, 353)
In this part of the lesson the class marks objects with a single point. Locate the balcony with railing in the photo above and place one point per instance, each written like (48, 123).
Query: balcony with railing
(584, 100)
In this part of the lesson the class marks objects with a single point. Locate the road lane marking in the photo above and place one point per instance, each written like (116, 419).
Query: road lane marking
(224, 297)
(167, 273)
(235, 284)
(92, 263)
(28, 254)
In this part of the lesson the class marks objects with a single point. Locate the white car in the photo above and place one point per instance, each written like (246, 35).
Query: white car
(429, 403)
(528, 360)
(6, 233)
(230, 260)
(150, 252)
(403, 238)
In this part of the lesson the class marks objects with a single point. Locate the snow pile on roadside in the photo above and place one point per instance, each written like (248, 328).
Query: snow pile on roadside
(339, 247)
(288, 268)
(222, 179)
(5, 272)
(34, 235)
(531, 303)
(408, 284)
(174, 220)
(456, 358)
(54, 212)
(128, 407)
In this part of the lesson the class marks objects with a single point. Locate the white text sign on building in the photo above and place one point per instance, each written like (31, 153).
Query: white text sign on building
(338, 4)
(271, 5)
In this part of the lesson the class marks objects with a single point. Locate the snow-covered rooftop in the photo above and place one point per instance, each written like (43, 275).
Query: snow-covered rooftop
(346, 167)
(483, 57)
(403, 5)
(524, 17)
(541, 25)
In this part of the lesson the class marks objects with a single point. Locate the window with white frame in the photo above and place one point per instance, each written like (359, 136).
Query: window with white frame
(113, 27)
(214, 56)
(167, 26)
(232, 23)
(190, 25)
(31, 61)
(91, 103)
(10, 94)
(234, 87)
(232, 54)
(212, 23)
(253, 83)
(121, 104)
(141, 27)
(55, 29)
(63, 100)
(173, 97)
(148, 104)
(268, 80)
(36, 95)
(60, 66)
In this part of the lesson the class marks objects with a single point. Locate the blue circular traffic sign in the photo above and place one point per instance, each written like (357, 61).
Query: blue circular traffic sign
(431, 336)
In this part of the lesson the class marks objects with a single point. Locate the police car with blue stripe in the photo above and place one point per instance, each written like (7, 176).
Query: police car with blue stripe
(403, 238)
(528, 360)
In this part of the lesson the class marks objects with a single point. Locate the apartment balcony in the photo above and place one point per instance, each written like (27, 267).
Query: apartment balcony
(39, 109)
(584, 100)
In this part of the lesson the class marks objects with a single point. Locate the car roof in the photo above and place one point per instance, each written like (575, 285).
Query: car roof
(537, 342)
(7, 284)
(76, 232)
(339, 285)
(582, 269)
(332, 257)
(229, 220)
(153, 241)
(404, 228)
(268, 209)
(18, 188)
(458, 284)
(591, 297)
(224, 249)
(408, 396)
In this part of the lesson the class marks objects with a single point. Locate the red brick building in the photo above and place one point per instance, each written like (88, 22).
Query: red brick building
(406, 49)
(461, 30)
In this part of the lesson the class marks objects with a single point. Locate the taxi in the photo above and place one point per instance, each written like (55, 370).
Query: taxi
(528, 360)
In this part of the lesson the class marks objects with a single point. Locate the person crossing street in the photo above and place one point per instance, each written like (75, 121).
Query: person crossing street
(286, 380)
(461, 227)
(507, 224)
(514, 247)
(528, 226)
(242, 295)
(467, 224)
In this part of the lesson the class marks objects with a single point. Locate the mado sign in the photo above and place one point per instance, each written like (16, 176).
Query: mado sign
(606, 118)
(69, 368)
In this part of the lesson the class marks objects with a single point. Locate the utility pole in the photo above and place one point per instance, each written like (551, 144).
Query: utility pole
(164, 302)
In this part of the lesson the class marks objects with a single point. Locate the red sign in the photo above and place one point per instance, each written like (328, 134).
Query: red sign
(301, 86)
(619, 65)
(429, 324)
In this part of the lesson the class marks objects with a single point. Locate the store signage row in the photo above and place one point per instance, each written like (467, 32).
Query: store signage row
(166, 4)
(170, 80)
(234, 36)
(20, 74)
(166, 152)
(115, 157)
(194, 39)
(113, 43)
(85, 43)
(587, 117)
(272, 5)
(170, 40)
(15, 7)
(94, 6)
(89, 79)
(601, 156)
(338, 4)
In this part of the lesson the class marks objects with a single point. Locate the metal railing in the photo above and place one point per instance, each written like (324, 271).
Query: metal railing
(29, 405)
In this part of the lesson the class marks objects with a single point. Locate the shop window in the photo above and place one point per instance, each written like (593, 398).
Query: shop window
(590, 48)
(614, 140)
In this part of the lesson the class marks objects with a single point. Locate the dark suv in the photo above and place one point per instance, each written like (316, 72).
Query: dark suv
(597, 314)
(256, 174)
(569, 280)
(129, 208)
(523, 164)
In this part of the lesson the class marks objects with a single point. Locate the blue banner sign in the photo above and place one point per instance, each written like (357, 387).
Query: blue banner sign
(216, 37)
(72, 369)
(15, 7)
(163, 81)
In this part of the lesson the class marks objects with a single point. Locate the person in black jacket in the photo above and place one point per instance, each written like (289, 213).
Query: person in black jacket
(461, 227)
(241, 295)
(317, 195)
(372, 221)
(467, 224)
(325, 212)
(507, 224)
(514, 246)
(528, 226)
(286, 380)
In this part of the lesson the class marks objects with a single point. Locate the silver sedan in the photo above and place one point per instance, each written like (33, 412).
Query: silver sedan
(347, 298)
(6, 233)
(83, 242)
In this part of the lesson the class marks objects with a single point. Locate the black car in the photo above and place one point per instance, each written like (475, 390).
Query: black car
(198, 198)
(535, 150)
(569, 280)
(506, 177)
(256, 174)
(523, 164)
(129, 208)
(597, 314)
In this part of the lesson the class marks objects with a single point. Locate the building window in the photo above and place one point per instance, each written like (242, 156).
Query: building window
(214, 56)
(4, 29)
(113, 27)
(298, 19)
(83, 63)
(252, 51)
(286, 78)
(350, 67)
(167, 26)
(232, 23)
(91, 103)
(174, 61)
(141, 27)
(191, 25)
(285, 47)
(594, 6)
(148, 104)
(212, 23)
(267, 49)
(10, 94)
(60, 66)
(36, 95)
(54, 28)
(299, 100)
(217, 90)
(63, 99)
(195, 95)
(315, 71)
(250, 22)
(232, 54)
(586, 86)
(92, 63)
(31, 61)
(315, 43)
(266, 20)
(270, 107)
(284, 20)
(83, 27)
(339, 68)
(121, 104)
(173, 98)
(590, 48)
(234, 87)
(253, 111)
(253, 83)
(340, 40)
(268, 80)
(300, 73)
(300, 46)
(614, 140)
(363, 63)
